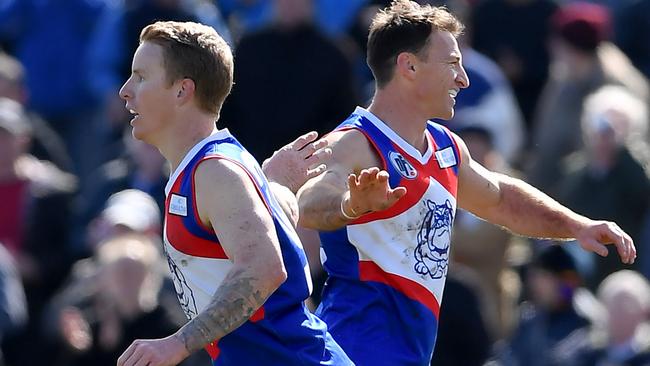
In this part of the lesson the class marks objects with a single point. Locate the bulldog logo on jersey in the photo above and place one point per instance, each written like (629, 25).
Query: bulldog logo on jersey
(183, 291)
(402, 165)
(432, 251)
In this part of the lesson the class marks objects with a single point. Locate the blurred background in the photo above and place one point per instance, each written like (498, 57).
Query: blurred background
(559, 96)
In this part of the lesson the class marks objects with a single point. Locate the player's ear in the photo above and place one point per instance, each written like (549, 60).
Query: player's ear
(405, 65)
(185, 89)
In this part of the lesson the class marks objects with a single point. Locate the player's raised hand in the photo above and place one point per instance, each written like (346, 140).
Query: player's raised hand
(369, 192)
(597, 234)
(297, 162)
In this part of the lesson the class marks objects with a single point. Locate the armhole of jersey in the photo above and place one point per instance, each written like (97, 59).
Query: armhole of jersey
(240, 165)
(371, 141)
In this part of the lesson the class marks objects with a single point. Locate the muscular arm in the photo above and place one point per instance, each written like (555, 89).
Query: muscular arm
(515, 204)
(247, 233)
(524, 210)
(351, 183)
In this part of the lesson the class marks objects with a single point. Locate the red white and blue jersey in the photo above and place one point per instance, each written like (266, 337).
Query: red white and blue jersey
(282, 331)
(387, 269)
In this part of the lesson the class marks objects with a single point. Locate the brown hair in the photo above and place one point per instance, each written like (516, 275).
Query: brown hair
(405, 26)
(195, 51)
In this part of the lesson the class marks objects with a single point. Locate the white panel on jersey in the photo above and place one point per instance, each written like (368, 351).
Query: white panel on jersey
(415, 244)
(195, 278)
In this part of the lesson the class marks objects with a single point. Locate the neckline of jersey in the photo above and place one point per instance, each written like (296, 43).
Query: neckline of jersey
(391, 134)
(216, 135)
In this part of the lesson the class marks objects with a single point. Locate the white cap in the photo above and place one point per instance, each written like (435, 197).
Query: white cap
(134, 209)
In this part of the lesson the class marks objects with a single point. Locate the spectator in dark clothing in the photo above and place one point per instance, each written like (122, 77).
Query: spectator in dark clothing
(46, 144)
(552, 328)
(624, 338)
(13, 306)
(462, 334)
(609, 178)
(633, 32)
(289, 79)
(142, 168)
(583, 62)
(36, 198)
(514, 34)
(50, 38)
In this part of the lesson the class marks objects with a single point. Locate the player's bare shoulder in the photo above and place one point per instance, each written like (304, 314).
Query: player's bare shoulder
(352, 149)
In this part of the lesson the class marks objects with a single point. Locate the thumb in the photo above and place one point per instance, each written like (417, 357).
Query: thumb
(395, 194)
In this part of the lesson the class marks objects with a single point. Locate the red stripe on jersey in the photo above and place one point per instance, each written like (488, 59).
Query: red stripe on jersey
(213, 350)
(182, 239)
(417, 187)
(259, 315)
(369, 271)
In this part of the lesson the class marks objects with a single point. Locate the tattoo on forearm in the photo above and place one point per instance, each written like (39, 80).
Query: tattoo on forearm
(232, 304)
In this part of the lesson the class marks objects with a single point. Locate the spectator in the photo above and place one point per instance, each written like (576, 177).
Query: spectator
(633, 31)
(127, 211)
(13, 306)
(288, 76)
(623, 341)
(583, 61)
(142, 167)
(482, 247)
(609, 179)
(50, 38)
(489, 101)
(46, 143)
(115, 302)
(552, 326)
(36, 198)
(463, 337)
(514, 34)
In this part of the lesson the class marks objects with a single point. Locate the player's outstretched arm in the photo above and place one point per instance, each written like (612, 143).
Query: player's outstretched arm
(247, 234)
(351, 186)
(298, 161)
(525, 210)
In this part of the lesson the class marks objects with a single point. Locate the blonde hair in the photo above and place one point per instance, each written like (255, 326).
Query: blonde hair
(197, 52)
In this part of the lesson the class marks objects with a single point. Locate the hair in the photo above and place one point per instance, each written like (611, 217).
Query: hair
(197, 52)
(619, 99)
(139, 250)
(405, 26)
(626, 282)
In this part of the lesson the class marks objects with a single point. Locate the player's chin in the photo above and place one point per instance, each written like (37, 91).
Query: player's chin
(138, 133)
(447, 115)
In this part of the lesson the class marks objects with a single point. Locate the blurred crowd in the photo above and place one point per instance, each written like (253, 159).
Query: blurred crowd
(559, 96)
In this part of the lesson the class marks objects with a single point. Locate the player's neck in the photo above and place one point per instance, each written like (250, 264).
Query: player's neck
(184, 134)
(398, 112)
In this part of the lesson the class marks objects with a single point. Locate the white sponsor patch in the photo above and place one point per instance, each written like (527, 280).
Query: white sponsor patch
(446, 157)
(178, 205)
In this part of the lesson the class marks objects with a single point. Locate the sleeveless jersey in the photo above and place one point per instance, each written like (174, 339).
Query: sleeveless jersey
(387, 269)
(282, 331)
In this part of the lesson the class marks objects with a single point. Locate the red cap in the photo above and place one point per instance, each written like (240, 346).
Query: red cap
(582, 25)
